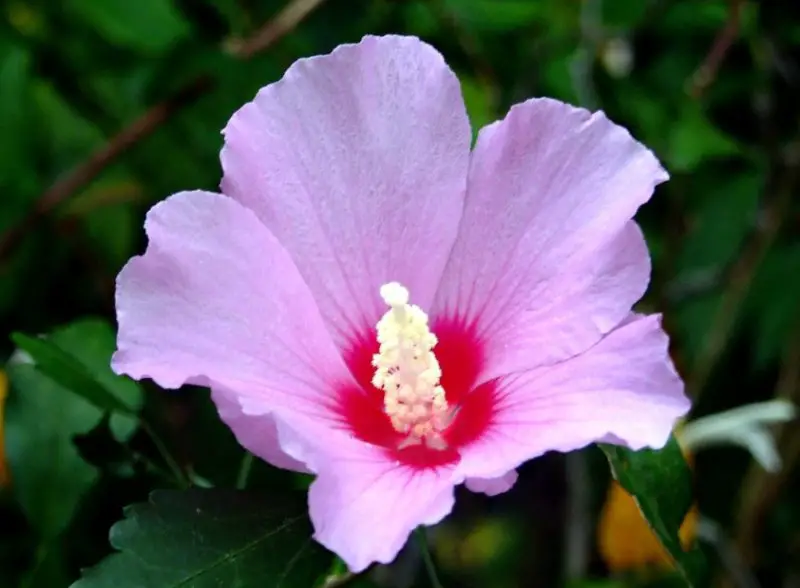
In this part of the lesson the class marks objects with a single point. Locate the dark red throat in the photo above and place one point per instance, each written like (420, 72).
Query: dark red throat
(460, 356)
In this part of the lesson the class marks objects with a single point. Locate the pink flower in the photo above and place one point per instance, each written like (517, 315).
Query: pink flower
(499, 282)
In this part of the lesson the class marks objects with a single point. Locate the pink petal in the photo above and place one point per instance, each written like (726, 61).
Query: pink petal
(493, 486)
(363, 503)
(357, 162)
(216, 299)
(546, 260)
(624, 388)
(364, 506)
(258, 434)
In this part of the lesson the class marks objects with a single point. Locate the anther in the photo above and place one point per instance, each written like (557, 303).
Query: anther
(407, 371)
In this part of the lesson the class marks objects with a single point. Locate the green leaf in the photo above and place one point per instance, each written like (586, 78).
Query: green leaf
(772, 310)
(49, 476)
(478, 100)
(209, 538)
(719, 218)
(661, 483)
(64, 136)
(63, 393)
(623, 14)
(91, 342)
(71, 373)
(693, 139)
(50, 568)
(496, 15)
(710, 243)
(692, 18)
(693, 319)
(149, 26)
(14, 96)
(420, 18)
(112, 228)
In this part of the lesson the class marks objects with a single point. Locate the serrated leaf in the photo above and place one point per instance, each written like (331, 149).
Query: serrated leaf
(209, 538)
(661, 484)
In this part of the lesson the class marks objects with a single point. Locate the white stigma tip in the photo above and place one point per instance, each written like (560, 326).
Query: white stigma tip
(394, 294)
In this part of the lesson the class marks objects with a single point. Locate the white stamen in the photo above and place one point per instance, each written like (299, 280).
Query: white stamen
(408, 372)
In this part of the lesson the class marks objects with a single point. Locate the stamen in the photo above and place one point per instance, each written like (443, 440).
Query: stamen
(407, 371)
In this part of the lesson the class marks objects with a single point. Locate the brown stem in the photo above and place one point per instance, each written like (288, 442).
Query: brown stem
(274, 30)
(87, 171)
(146, 124)
(705, 74)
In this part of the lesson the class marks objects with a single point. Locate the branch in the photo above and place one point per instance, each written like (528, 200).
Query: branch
(144, 126)
(274, 30)
(87, 171)
(705, 74)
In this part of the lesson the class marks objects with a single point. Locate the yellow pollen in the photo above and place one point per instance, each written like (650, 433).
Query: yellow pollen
(408, 373)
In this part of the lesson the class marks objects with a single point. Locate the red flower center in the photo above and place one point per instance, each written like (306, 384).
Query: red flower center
(460, 355)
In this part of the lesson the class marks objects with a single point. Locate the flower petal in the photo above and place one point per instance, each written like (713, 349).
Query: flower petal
(546, 261)
(256, 433)
(357, 162)
(215, 298)
(364, 503)
(623, 389)
(492, 486)
(364, 506)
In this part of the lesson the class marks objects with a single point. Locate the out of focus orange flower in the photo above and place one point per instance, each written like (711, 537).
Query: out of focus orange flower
(624, 538)
(4, 477)
(626, 541)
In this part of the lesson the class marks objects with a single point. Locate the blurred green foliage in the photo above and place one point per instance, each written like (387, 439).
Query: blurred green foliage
(713, 87)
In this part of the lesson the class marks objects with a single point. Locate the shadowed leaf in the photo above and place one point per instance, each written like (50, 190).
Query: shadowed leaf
(209, 538)
(660, 482)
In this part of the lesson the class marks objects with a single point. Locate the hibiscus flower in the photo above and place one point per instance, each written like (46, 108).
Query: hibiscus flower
(373, 302)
